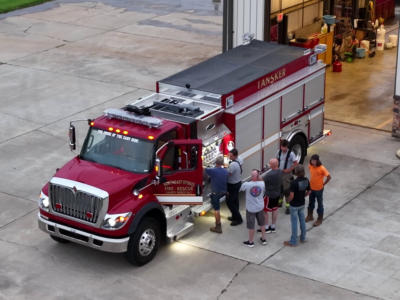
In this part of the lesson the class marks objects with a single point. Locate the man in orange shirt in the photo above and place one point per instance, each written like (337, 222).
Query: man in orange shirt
(317, 175)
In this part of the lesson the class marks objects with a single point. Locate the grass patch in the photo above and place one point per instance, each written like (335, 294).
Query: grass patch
(9, 5)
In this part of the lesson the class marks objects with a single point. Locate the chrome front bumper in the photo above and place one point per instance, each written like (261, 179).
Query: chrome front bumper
(82, 237)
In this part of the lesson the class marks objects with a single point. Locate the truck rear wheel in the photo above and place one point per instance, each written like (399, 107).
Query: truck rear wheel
(144, 242)
(59, 240)
(299, 148)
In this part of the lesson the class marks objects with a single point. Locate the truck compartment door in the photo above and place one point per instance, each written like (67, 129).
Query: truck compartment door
(316, 123)
(181, 173)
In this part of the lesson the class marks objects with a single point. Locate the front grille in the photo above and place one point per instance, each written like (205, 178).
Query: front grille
(76, 204)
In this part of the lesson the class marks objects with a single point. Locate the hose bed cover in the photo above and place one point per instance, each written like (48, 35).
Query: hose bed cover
(229, 71)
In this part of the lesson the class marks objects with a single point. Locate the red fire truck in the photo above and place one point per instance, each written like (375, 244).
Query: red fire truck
(139, 175)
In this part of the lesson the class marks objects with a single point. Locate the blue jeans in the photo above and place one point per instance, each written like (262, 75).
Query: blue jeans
(297, 212)
(311, 203)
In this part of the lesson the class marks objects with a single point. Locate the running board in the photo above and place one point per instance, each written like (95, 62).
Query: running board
(327, 132)
(201, 210)
(180, 232)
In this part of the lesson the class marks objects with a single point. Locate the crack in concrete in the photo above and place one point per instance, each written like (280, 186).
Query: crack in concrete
(224, 290)
(16, 219)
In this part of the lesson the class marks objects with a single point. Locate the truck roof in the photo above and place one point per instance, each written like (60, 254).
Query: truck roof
(235, 68)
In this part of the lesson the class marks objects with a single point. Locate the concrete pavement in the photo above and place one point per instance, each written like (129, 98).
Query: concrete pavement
(76, 59)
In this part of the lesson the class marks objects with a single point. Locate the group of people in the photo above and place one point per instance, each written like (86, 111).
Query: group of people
(264, 195)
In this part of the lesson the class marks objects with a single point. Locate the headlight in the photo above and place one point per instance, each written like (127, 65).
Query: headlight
(44, 201)
(115, 221)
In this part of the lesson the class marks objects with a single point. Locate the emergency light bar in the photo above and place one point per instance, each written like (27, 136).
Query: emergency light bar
(121, 114)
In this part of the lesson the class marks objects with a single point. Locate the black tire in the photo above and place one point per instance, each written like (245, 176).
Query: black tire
(59, 240)
(144, 242)
(299, 147)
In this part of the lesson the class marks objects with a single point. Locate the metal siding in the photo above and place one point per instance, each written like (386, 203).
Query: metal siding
(292, 103)
(272, 118)
(248, 131)
(314, 90)
(253, 17)
(270, 151)
(250, 163)
(248, 18)
(260, 19)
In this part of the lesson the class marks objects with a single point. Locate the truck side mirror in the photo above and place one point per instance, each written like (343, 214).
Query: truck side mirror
(158, 167)
(72, 137)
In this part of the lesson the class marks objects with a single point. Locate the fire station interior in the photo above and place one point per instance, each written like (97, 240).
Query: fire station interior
(361, 91)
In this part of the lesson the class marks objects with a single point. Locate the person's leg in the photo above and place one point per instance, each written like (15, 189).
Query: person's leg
(274, 219)
(261, 222)
(311, 205)
(266, 220)
(229, 196)
(319, 196)
(216, 206)
(320, 210)
(251, 235)
(302, 222)
(293, 221)
(236, 217)
(250, 223)
(236, 203)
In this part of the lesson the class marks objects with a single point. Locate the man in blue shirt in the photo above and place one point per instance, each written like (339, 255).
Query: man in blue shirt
(219, 177)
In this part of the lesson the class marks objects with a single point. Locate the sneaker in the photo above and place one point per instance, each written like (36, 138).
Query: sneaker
(249, 244)
(287, 211)
(259, 230)
(272, 230)
(268, 230)
(263, 242)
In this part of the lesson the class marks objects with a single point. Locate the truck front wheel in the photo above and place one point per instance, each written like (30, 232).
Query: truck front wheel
(144, 242)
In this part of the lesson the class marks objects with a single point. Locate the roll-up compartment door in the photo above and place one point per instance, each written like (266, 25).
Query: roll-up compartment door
(248, 140)
(292, 103)
(314, 90)
(316, 123)
(272, 126)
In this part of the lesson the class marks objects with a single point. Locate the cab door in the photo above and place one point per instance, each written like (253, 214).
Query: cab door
(180, 173)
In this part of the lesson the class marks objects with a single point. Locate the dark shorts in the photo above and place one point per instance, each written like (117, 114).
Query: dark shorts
(215, 200)
(271, 204)
(251, 219)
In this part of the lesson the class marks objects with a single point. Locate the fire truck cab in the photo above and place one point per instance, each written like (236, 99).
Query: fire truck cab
(139, 176)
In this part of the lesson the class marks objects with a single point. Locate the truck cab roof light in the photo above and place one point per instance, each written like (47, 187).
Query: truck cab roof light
(117, 130)
(121, 114)
(92, 123)
(110, 129)
(125, 132)
(150, 137)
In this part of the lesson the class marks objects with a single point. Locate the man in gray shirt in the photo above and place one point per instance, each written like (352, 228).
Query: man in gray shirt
(234, 183)
(287, 162)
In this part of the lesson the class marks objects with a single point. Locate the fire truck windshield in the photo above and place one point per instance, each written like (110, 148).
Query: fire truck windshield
(116, 150)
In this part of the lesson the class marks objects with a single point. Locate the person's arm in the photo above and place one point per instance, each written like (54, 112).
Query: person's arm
(291, 195)
(328, 178)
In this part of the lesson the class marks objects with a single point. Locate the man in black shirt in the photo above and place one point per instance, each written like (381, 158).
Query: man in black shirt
(299, 189)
